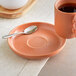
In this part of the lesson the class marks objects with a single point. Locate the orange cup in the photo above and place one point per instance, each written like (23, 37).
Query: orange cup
(65, 23)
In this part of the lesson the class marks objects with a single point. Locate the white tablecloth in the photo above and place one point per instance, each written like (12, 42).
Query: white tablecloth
(10, 63)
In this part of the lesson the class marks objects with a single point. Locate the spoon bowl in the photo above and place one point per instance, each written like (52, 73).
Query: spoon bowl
(30, 29)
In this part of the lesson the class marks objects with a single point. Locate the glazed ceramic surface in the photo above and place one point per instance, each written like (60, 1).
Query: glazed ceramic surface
(13, 4)
(43, 43)
(65, 23)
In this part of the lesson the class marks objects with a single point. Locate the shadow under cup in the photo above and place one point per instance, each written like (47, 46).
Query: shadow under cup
(65, 22)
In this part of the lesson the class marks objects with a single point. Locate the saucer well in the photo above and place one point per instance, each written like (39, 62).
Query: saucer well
(40, 44)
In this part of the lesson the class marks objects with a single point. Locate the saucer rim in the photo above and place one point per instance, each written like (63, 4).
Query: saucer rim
(37, 56)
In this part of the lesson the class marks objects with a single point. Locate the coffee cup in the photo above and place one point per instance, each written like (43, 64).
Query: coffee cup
(65, 22)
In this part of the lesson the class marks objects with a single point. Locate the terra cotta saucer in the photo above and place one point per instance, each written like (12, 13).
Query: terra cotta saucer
(43, 43)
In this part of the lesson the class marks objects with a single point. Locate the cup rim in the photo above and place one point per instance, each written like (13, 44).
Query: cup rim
(61, 11)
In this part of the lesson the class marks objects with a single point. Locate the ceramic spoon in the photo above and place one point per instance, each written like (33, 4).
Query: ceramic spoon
(27, 31)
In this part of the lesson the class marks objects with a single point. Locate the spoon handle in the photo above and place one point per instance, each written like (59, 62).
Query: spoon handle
(8, 36)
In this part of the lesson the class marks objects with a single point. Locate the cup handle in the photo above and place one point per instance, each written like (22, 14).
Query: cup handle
(74, 26)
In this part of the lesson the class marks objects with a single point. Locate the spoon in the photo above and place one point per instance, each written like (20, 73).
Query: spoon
(27, 31)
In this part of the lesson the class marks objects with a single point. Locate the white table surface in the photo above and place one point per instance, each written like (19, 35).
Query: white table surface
(63, 64)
